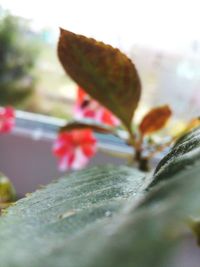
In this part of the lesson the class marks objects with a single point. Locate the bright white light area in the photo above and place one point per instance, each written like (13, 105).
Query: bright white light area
(167, 25)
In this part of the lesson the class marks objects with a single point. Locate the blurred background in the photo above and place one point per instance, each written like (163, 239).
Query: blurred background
(161, 37)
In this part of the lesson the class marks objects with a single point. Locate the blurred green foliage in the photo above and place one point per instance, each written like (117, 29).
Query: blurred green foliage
(7, 191)
(18, 52)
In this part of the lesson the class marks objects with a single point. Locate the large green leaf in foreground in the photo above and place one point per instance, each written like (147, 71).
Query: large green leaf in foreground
(102, 217)
(42, 225)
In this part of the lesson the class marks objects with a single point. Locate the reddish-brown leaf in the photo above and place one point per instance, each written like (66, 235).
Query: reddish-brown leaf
(95, 126)
(87, 123)
(155, 120)
(104, 72)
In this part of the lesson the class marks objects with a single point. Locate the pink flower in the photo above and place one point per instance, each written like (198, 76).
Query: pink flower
(86, 107)
(74, 148)
(7, 119)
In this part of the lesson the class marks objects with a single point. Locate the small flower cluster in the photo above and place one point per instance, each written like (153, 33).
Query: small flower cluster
(7, 119)
(86, 107)
(75, 148)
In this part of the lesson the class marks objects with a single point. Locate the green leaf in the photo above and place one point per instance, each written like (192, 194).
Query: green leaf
(39, 227)
(184, 154)
(105, 73)
(148, 235)
(102, 217)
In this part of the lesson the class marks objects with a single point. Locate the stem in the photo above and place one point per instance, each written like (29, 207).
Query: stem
(136, 143)
(132, 137)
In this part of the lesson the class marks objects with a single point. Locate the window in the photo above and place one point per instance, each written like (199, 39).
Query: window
(164, 45)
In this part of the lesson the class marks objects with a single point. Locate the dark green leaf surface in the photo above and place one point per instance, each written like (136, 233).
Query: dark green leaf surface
(193, 134)
(147, 236)
(38, 235)
(102, 217)
(185, 152)
(39, 227)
